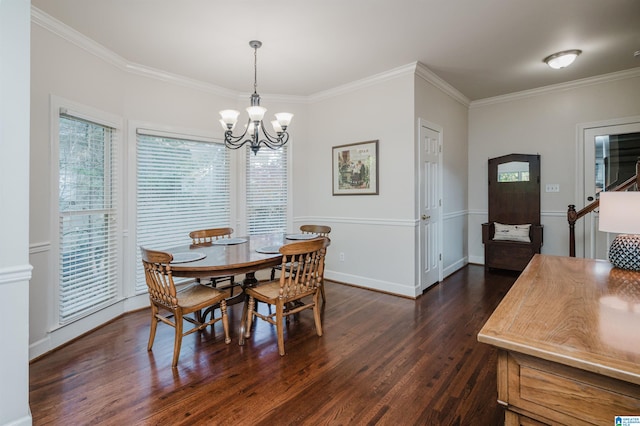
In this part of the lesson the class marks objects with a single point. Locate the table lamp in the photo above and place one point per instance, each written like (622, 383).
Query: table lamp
(620, 213)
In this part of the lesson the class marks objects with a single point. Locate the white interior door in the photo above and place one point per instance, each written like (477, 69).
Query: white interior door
(430, 205)
(597, 174)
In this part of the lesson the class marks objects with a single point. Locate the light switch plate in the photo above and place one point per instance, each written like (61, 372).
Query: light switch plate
(552, 187)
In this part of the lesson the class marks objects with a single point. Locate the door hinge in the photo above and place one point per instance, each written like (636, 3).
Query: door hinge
(440, 257)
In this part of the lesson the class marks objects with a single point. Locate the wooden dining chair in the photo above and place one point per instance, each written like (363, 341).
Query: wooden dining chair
(302, 280)
(320, 230)
(207, 237)
(167, 301)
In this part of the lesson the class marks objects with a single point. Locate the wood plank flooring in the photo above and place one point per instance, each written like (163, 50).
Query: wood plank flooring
(382, 360)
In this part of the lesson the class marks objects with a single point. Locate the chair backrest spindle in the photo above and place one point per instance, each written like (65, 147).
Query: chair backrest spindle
(320, 230)
(207, 236)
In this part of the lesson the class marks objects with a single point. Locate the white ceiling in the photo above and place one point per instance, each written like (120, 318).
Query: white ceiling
(483, 48)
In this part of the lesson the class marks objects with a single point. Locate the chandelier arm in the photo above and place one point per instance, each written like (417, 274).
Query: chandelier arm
(277, 140)
(279, 143)
(236, 145)
(229, 139)
(234, 142)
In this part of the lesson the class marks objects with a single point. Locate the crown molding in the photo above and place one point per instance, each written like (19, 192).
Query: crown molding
(426, 74)
(74, 37)
(363, 83)
(605, 78)
(414, 68)
(67, 33)
(179, 80)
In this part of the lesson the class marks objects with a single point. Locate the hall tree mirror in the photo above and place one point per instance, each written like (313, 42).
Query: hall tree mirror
(610, 157)
(513, 171)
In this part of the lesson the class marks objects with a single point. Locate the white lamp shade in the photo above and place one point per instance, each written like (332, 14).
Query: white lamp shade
(276, 126)
(284, 119)
(229, 116)
(620, 212)
(256, 113)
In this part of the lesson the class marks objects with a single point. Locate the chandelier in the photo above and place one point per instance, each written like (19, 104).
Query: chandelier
(255, 124)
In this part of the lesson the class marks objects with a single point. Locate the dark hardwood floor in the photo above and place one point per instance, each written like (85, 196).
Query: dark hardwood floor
(382, 360)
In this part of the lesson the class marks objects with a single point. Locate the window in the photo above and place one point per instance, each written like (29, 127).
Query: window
(87, 216)
(266, 191)
(182, 185)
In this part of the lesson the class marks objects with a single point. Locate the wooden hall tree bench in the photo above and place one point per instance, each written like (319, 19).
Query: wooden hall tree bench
(513, 233)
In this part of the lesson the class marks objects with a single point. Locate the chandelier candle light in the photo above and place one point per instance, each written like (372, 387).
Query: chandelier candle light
(255, 124)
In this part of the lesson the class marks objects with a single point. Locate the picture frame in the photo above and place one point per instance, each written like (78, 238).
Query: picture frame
(355, 168)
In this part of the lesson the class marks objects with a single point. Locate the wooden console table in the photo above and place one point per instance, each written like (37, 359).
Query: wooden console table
(568, 339)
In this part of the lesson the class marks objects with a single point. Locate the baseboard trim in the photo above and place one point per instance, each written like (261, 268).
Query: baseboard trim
(372, 284)
(454, 267)
(22, 421)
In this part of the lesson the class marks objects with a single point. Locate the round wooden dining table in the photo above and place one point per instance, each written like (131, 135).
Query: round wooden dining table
(229, 256)
(232, 256)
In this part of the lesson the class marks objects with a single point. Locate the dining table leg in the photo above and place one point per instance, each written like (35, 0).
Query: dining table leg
(250, 280)
(243, 320)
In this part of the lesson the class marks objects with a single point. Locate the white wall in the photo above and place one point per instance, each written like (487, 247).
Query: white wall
(448, 109)
(375, 232)
(15, 271)
(542, 122)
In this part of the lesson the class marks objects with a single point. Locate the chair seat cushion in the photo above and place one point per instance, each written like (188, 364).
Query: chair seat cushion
(270, 291)
(197, 295)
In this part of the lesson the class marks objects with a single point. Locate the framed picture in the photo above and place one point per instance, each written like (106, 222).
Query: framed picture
(355, 169)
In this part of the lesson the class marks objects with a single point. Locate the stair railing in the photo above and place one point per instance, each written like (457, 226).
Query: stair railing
(573, 215)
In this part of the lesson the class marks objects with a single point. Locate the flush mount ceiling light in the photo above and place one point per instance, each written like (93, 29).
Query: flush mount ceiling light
(562, 59)
(256, 114)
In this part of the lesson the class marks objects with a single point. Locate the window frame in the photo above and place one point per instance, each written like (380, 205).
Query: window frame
(58, 106)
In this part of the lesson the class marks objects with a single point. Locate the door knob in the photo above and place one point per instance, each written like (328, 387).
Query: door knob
(425, 217)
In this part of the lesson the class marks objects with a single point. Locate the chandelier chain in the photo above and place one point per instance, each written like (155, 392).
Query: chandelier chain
(255, 69)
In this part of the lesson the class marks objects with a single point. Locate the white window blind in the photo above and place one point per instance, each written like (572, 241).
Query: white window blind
(182, 185)
(87, 217)
(266, 191)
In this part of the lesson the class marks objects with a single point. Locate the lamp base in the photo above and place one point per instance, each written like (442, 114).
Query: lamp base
(624, 252)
